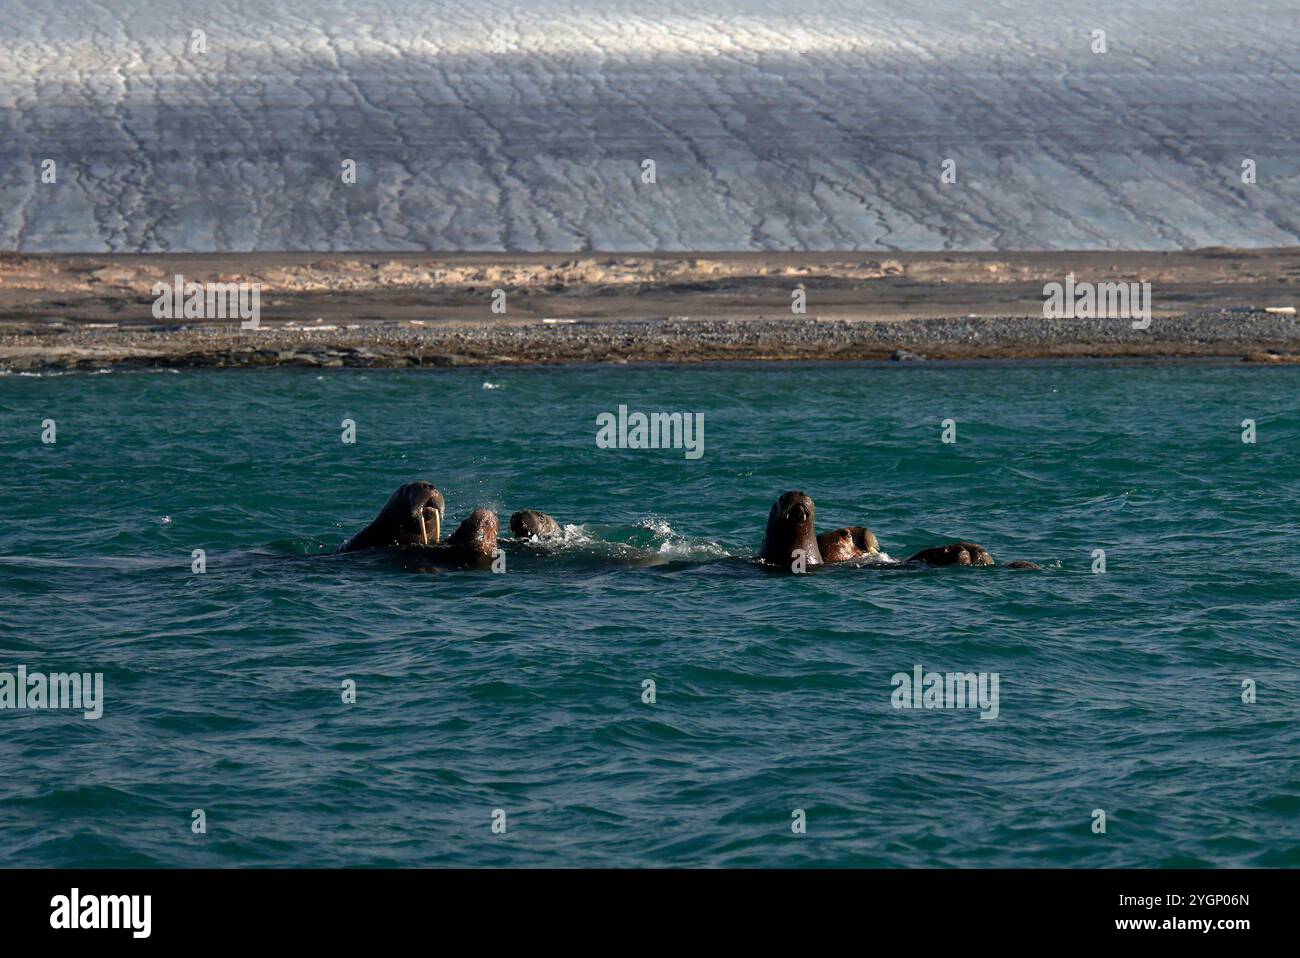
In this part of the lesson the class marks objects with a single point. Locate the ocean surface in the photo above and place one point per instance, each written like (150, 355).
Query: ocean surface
(524, 125)
(523, 691)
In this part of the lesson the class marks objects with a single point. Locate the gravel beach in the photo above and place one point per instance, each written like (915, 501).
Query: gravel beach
(70, 312)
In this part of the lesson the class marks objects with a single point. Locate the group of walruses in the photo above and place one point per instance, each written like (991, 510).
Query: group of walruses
(412, 519)
(791, 541)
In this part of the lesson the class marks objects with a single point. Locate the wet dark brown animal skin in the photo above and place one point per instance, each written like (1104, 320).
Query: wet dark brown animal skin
(1024, 564)
(530, 524)
(398, 524)
(956, 553)
(853, 542)
(790, 528)
(475, 539)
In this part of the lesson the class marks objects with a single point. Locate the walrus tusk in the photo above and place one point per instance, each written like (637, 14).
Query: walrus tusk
(424, 533)
(437, 526)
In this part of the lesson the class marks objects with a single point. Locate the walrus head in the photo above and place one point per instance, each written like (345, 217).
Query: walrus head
(531, 524)
(477, 535)
(790, 530)
(427, 507)
(853, 542)
(412, 516)
(957, 553)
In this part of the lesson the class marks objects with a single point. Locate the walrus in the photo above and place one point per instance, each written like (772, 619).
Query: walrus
(790, 530)
(966, 553)
(412, 516)
(956, 553)
(531, 524)
(853, 542)
(473, 542)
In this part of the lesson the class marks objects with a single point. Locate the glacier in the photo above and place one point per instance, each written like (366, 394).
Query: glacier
(490, 126)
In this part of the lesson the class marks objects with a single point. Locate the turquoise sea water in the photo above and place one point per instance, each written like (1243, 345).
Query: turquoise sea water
(523, 691)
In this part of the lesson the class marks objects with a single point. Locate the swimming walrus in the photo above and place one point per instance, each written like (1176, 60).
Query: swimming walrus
(956, 553)
(790, 531)
(412, 516)
(473, 542)
(790, 527)
(531, 524)
(966, 553)
(853, 542)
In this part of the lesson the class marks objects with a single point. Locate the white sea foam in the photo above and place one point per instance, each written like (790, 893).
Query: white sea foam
(698, 549)
(881, 558)
(658, 526)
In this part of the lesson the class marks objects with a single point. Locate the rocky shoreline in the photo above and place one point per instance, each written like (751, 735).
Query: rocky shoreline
(422, 310)
(1249, 335)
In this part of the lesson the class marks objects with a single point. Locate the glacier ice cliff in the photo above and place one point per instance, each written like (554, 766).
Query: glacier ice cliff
(773, 125)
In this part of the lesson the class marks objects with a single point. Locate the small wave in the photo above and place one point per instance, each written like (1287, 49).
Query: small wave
(658, 526)
(113, 563)
(576, 535)
(667, 542)
(698, 549)
(650, 542)
(298, 546)
(877, 559)
(1109, 500)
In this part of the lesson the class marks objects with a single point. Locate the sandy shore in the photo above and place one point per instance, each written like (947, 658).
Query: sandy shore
(85, 312)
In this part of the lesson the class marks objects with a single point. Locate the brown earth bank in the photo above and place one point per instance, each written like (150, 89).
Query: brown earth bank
(95, 311)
